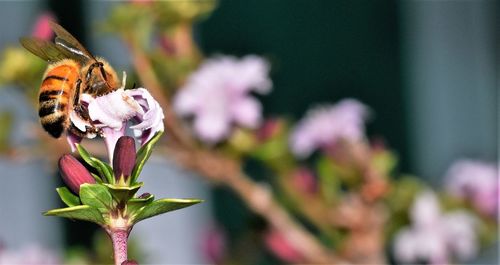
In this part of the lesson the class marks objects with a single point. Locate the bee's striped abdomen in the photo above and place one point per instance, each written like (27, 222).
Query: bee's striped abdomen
(56, 96)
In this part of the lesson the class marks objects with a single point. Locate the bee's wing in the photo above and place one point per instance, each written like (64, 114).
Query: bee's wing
(46, 50)
(64, 40)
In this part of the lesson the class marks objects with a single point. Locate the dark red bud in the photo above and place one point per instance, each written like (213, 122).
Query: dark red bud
(74, 173)
(124, 157)
(269, 129)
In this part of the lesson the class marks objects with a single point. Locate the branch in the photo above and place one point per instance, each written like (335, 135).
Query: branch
(259, 199)
(146, 73)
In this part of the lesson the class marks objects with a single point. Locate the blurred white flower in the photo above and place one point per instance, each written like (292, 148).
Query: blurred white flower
(476, 181)
(112, 112)
(325, 125)
(28, 255)
(218, 95)
(435, 237)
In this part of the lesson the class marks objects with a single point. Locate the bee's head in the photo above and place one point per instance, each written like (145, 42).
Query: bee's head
(100, 78)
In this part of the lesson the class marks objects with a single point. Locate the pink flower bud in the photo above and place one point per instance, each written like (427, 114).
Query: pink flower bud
(124, 157)
(280, 247)
(214, 245)
(269, 129)
(42, 28)
(74, 173)
(304, 180)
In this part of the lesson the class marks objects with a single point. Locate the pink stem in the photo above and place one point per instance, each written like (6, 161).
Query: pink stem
(119, 238)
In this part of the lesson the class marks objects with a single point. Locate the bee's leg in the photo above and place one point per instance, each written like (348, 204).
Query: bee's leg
(76, 100)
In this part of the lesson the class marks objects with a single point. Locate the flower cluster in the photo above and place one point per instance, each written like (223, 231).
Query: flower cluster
(475, 181)
(218, 95)
(326, 125)
(434, 236)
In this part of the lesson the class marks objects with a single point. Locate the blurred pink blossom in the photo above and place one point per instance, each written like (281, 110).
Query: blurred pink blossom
(42, 28)
(280, 247)
(476, 181)
(433, 236)
(214, 245)
(323, 126)
(218, 95)
(28, 255)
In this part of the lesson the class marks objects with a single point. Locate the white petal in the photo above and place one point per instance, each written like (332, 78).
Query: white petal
(113, 109)
(301, 144)
(254, 72)
(405, 248)
(185, 102)
(211, 128)
(426, 211)
(246, 112)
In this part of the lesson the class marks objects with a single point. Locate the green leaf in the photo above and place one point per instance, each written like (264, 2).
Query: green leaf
(143, 155)
(103, 168)
(123, 193)
(96, 195)
(163, 206)
(81, 212)
(68, 197)
(134, 204)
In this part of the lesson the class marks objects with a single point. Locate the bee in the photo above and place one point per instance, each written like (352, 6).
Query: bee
(72, 70)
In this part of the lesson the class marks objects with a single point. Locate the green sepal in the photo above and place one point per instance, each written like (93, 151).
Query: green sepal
(68, 197)
(97, 196)
(143, 155)
(162, 206)
(134, 204)
(96, 177)
(123, 193)
(80, 212)
(103, 168)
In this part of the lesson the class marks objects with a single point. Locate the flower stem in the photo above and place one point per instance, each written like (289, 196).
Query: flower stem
(119, 238)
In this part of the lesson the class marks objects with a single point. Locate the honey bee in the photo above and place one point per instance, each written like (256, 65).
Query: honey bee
(72, 70)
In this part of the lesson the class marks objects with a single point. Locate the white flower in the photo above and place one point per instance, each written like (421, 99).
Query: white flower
(435, 236)
(325, 125)
(476, 181)
(218, 95)
(112, 112)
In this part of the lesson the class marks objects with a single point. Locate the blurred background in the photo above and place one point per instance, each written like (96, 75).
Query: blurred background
(426, 69)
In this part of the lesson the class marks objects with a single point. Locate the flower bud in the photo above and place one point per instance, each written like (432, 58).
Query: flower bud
(74, 173)
(304, 180)
(279, 245)
(124, 157)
